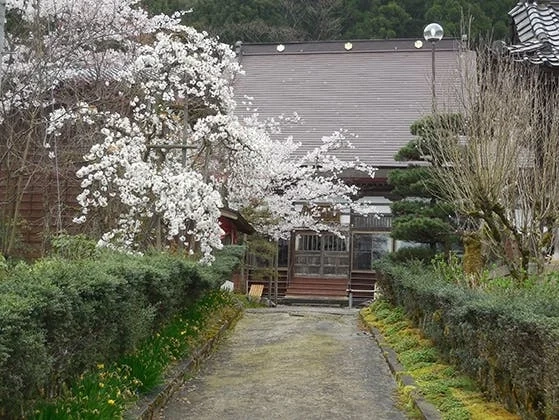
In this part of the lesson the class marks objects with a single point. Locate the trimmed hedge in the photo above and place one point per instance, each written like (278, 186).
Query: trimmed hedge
(58, 318)
(508, 341)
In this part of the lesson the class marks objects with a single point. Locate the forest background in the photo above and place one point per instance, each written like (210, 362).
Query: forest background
(303, 20)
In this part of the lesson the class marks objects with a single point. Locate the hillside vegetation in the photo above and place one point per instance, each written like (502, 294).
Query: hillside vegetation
(288, 20)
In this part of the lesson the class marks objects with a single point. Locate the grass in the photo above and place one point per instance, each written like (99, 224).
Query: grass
(455, 395)
(107, 391)
(249, 302)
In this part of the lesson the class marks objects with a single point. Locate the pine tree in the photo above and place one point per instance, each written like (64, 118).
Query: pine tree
(419, 217)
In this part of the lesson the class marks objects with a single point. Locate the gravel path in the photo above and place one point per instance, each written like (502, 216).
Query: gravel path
(291, 363)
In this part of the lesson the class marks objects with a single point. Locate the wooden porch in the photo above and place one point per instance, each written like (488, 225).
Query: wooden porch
(322, 268)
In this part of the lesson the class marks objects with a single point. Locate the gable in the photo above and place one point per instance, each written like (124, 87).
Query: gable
(376, 90)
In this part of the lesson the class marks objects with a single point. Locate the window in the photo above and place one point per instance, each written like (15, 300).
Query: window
(369, 247)
(308, 242)
(334, 244)
(321, 255)
(372, 221)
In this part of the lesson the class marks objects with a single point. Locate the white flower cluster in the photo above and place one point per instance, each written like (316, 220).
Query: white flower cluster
(167, 150)
(273, 179)
(162, 67)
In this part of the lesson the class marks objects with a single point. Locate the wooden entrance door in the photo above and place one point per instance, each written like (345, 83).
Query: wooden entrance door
(320, 255)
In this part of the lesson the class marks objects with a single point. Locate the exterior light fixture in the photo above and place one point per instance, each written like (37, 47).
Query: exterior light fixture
(433, 33)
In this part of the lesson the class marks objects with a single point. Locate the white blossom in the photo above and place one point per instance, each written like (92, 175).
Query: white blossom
(156, 69)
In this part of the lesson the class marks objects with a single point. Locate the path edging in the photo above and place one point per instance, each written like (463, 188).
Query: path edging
(146, 407)
(427, 410)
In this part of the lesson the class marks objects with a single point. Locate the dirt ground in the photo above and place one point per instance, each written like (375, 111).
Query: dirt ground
(291, 363)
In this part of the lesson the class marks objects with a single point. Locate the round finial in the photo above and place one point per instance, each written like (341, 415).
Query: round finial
(433, 32)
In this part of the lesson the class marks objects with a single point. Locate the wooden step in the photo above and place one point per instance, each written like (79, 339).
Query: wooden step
(362, 286)
(313, 287)
(316, 300)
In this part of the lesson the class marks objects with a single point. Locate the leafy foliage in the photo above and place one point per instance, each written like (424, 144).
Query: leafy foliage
(59, 318)
(420, 253)
(228, 259)
(73, 247)
(505, 337)
(453, 393)
(106, 390)
(421, 229)
(288, 20)
(419, 216)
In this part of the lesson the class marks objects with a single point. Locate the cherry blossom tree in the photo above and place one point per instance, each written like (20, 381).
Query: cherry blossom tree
(273, 180)
(152, 101)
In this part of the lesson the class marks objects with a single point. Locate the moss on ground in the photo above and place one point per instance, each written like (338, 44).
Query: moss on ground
(455, 395)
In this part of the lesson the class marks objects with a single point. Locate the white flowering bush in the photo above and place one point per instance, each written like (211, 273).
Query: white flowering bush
(153, 102)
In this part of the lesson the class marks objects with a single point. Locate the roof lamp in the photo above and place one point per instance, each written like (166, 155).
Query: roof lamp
(433, 32)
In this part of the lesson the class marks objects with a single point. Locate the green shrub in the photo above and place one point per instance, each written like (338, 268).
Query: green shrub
(423, 254)
(507, 339)
(73, 247)
(227, 261)
(58, 318)
(107, 390)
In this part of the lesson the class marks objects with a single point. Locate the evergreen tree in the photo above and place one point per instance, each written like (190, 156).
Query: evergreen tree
(419, 216)
(290, 20)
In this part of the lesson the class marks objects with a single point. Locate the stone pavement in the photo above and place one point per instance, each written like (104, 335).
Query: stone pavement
(291, 363)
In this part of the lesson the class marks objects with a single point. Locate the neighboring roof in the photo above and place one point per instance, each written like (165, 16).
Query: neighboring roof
(376, 89)
(239, 221)
(536, 33)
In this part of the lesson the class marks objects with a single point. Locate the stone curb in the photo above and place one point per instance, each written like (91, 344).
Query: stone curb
(427, 410)
(146, 408)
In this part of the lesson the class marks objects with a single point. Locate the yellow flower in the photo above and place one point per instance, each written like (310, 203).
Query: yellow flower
(100, 366)
(101, 385)
(111, 402)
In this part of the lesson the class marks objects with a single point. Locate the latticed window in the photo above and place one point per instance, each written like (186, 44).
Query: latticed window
(308, 242)
(334, 243)
(321, 255)
(372, 221)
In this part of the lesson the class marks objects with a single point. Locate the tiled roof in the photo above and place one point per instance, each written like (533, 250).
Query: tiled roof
(537, 33)
(374, 89)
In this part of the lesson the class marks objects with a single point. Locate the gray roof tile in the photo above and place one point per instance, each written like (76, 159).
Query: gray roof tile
(376, 90)
(537, 32)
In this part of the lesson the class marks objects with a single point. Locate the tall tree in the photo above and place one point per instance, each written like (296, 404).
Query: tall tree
(505, 174)
(419, 216)
(288, 20)
(150, 102)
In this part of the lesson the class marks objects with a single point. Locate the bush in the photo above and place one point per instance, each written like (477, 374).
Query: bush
(59, 318)
(508, 340)
(422, 253)
(227, 261)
